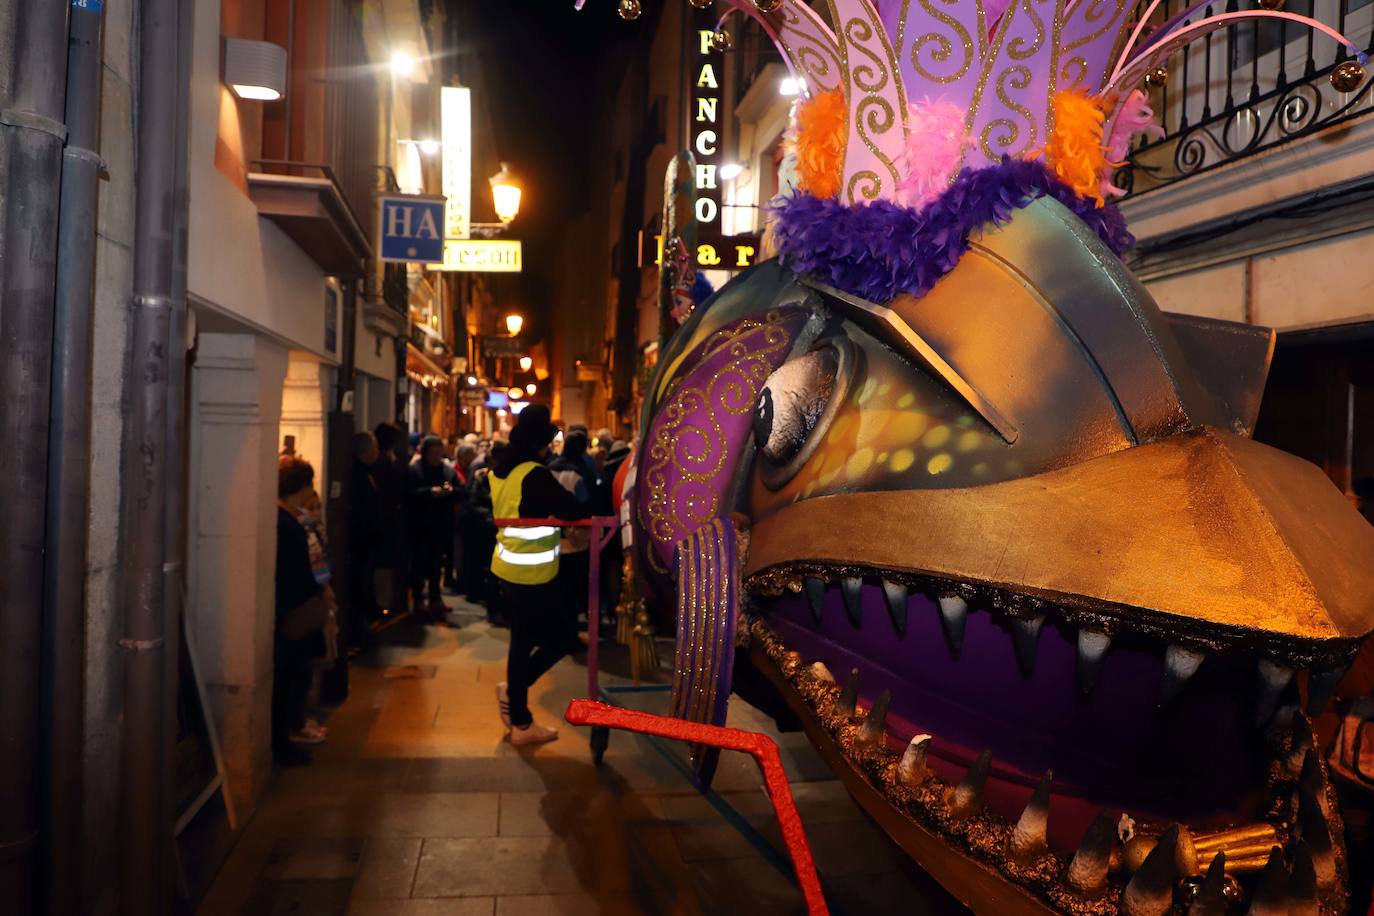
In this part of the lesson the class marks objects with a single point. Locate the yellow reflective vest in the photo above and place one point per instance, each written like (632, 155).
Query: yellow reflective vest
(524, 556)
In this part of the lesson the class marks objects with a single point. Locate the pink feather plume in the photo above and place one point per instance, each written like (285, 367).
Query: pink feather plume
(935, 144)
(1133, 118)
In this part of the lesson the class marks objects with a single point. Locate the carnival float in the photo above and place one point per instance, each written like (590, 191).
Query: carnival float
(942, 483)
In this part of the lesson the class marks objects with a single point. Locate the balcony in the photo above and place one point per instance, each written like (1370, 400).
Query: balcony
(306, 202)
(1248, 89)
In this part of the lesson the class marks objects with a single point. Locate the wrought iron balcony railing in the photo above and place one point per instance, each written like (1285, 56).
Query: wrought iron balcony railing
(1246, 89)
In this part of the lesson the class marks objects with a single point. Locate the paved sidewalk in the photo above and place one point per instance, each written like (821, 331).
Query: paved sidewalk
(416, 806)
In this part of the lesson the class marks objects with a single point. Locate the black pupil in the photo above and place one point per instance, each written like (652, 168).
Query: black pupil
(763, 417)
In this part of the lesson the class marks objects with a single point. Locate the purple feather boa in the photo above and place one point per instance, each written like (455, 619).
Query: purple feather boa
(878, 250)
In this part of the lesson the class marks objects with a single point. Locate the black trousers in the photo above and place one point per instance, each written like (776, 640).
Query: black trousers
(541, 632)
(427, 564)
(292, 669)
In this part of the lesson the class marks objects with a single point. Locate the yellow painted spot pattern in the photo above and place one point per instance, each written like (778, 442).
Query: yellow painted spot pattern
(940, 463)
(903, 459)
(968, 441)
(936, 437)
(865, 391)
(859, 462)
(906, 400)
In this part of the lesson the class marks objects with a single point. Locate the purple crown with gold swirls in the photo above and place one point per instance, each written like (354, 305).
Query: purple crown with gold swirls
(1000, 63)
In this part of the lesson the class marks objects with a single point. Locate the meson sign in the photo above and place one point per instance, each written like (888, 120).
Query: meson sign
(706, 130)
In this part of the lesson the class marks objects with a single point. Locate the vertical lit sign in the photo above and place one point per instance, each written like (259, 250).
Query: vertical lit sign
(705, 125)
(455, 111)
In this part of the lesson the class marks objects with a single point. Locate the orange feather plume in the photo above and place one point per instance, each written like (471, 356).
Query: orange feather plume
(1075, 151)
(821, 133)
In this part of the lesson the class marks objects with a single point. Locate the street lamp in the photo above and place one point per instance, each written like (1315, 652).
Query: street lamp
(515, 394)
(525, 363)
(505, 194)
(402, 64)
(531, 388)
(514, 323)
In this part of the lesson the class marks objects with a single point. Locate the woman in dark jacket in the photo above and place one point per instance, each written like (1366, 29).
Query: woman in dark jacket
(433, 492)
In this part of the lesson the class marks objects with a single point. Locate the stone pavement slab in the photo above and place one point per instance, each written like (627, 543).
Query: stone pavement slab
(417, 806)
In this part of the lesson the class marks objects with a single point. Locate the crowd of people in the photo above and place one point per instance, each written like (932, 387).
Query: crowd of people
(421, 522)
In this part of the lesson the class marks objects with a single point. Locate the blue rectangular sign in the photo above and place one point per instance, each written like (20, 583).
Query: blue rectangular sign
(412, 229)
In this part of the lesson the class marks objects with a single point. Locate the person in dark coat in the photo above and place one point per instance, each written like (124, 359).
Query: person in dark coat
(391, 472)
(303, 609)
(365, 529)
(433, 492)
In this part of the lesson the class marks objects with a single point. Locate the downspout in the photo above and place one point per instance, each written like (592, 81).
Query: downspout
(145, 825)
(69, 458)
(341, 425)
(174, 519)
(31, 139)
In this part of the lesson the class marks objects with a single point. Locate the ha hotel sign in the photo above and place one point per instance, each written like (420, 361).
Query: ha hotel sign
(411, 229)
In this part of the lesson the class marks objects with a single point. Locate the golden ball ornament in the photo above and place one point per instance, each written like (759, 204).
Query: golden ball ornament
(767, 6)
(1157, 77)
(1271, 4)
(721, 40)
(630, 10)
(1347, 76)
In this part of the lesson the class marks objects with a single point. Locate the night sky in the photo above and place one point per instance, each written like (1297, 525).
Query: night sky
(548, 69)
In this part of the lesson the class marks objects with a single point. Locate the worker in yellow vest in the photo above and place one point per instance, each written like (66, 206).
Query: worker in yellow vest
(542, 627)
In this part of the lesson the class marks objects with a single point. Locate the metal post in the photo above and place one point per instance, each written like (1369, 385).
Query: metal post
(69, 455)
(341, 426)
(32, 87)
(145, 826)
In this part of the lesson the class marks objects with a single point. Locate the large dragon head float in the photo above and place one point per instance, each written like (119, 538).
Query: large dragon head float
(987, 520)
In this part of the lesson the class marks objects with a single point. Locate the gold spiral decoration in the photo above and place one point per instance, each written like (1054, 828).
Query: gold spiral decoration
(945, 45)
(1014, 77)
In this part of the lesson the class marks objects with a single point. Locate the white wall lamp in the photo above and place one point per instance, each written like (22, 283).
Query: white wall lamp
(255, 70)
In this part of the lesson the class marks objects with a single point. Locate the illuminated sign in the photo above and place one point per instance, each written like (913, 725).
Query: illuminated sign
(503, 256)
(503, 347)
(455, 113)
(705, 124)
(719, 252)
(411, 228)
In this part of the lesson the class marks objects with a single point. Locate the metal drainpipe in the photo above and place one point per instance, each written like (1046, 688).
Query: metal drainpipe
(145, 826)
(174, 519)
(69, 454)
(31, 138)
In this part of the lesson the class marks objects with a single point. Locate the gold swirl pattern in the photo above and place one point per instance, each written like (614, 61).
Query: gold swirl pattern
(1023, 67)
(1083, 25)
(688, 449)
(951, 35)
(877, 105)
(807, 43)
(863, 185)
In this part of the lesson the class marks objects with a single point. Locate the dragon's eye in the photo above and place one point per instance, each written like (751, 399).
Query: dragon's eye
(795, 405)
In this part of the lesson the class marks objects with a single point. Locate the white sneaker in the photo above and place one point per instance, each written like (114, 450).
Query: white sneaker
(503, 703)
(532, 734)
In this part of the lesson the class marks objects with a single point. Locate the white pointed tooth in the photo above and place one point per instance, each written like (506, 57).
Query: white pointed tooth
(912, 770)
(821, 673)
(953, 616)
(1180, 664)
(1092, 650)
(1025, 640)
(1273, 678)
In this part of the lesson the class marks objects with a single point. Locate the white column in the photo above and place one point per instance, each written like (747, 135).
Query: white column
(304, 400)
(237, 398)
